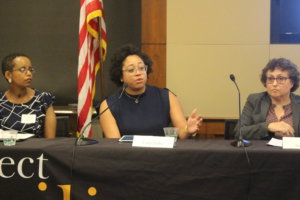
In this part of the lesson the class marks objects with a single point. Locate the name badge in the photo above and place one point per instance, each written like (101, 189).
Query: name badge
(28, 118)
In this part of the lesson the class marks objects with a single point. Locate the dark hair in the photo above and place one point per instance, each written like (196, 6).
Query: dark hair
(118, 58)
(285, 65)
(8, 62)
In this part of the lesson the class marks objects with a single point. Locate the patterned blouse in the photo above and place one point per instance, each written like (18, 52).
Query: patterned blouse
(287, 117)
(11, 114)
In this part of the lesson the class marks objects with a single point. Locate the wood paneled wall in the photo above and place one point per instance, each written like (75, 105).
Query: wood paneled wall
(154, 38)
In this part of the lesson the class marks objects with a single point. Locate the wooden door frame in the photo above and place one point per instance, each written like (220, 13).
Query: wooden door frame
(154, 38)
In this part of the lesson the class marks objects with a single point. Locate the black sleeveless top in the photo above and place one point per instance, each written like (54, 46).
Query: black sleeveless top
(148, 116)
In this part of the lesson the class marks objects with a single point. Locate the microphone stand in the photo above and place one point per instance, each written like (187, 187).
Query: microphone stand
(81, 140)
(240, 142)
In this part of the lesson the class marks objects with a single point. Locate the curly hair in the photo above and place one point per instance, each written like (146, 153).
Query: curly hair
(284, 65)
(118, 58)
(8, 62)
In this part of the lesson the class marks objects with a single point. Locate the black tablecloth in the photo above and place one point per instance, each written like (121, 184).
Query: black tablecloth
(193, 169)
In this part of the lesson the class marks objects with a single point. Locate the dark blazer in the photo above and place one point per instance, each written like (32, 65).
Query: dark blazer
(254, 125)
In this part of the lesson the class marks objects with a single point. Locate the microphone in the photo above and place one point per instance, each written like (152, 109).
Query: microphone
(240, 142)
(232, 77)
(81, 140)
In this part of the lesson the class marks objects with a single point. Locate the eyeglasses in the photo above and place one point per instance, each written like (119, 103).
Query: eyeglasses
(132, 70)
(24, 69)
(279, 80)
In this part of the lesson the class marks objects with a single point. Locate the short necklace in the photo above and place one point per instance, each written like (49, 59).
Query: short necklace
(136, 100)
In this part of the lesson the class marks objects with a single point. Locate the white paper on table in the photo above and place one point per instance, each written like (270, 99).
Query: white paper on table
(20, 136)
(275, 142)
(24, 136)
(291, 143)
(153, 141)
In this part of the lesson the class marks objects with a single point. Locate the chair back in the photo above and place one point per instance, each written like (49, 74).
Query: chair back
(62, 126)
(229, 128)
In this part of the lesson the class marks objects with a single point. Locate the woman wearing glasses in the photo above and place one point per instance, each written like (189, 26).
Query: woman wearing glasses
(141, 109)
(276, 112)
(21, 107)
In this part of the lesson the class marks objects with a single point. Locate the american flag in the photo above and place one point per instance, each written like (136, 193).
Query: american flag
(92, 38)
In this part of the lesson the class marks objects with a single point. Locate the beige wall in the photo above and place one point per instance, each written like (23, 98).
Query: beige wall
(207, 40)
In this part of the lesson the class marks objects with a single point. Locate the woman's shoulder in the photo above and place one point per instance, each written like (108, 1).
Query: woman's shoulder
(43, 96)
(158, 94)
(3, 98)
(113, 96)
(157, 89)
(258, 97)
(41, 93)
(295, 97)
(2, 94)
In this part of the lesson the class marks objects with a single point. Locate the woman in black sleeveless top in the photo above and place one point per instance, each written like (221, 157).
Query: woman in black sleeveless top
(141, 109)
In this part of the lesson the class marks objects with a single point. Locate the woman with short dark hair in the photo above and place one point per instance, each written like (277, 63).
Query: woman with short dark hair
(22, 108)
(276, 112)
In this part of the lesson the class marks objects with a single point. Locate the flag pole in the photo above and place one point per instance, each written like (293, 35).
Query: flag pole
(101, 73)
